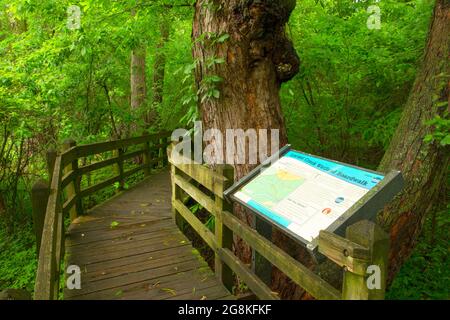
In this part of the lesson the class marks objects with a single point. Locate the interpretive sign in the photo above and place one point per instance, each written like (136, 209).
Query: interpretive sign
(304, 194)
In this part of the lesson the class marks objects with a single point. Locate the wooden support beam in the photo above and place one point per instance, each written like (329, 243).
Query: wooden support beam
(73, 188)
(357, 286)
(224, 236)
(147, 159)
(119, 170)
(344, 252)
(39, 198)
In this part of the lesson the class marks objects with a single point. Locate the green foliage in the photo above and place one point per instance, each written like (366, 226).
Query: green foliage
(353, 82)
(426, 275)
(441, 132)
(57, 83)
(18, 259)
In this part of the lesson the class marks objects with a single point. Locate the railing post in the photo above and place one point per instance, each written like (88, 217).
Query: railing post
(161, 153)
(39, 198)
(119, 168)
(372, 284)
(73, 189)
(147, 159)
(176, 192)
(166, 142)
(224, 236)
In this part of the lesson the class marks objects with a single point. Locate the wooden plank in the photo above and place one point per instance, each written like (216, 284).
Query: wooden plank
(102, 147)
(124, 249)
(88, 234)
(154, 288)
(135, 277)
(212, 292)
(224, 236)
(68, 156)
(134, 170)
(356, 286)
(132, 242)
(203, 175)
(104, 273)
(344, 252)
(67, 179)
(205, 201)
(173, 260)
(72, 189)
(46, 278)
(300, 274)
(250, 279)
(132, 155)
(122, 238)
(88, 259)
(97, 165)
(40, 193)
(68, 205)
(99, 186)
(198, 226)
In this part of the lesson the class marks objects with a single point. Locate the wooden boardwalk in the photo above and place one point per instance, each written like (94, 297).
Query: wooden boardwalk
(130, 248)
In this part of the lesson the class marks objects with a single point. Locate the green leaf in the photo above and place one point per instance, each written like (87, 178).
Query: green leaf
(445, 141)
(114, 224)
(223, 38)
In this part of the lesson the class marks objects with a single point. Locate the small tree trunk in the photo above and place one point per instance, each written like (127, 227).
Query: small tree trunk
(138, 78)
(424, 165)
(159, 71)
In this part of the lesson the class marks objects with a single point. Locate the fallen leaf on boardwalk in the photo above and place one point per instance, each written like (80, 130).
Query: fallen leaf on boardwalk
(175, 268)
(114, 224)
(119, 293)
(203, 298)
(145, 204)
(143, 225)
(103, 273)
(156, 284)
(170, 291)
(183, 242)
(158, 201)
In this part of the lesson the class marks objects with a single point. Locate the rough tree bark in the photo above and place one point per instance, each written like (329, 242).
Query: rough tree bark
(258, 59)
(424, 165)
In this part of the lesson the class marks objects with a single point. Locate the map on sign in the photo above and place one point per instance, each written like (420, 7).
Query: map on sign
(306, 194)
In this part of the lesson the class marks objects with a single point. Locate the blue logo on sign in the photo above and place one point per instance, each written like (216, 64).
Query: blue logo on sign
(340, 200)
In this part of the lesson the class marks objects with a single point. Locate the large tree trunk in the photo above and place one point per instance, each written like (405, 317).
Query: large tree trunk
(424, 165)
(258, 58)
(159, 70)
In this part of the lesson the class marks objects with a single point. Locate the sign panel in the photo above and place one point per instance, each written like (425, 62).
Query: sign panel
(304, 194)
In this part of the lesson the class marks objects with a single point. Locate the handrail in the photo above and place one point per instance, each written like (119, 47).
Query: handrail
(47, 278)
(66, 194)
(366, 243)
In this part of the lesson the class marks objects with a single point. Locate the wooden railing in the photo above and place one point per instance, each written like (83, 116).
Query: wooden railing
(365, 243)
(64, 196)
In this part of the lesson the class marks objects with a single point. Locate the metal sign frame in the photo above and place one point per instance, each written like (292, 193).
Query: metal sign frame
(364, 209)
